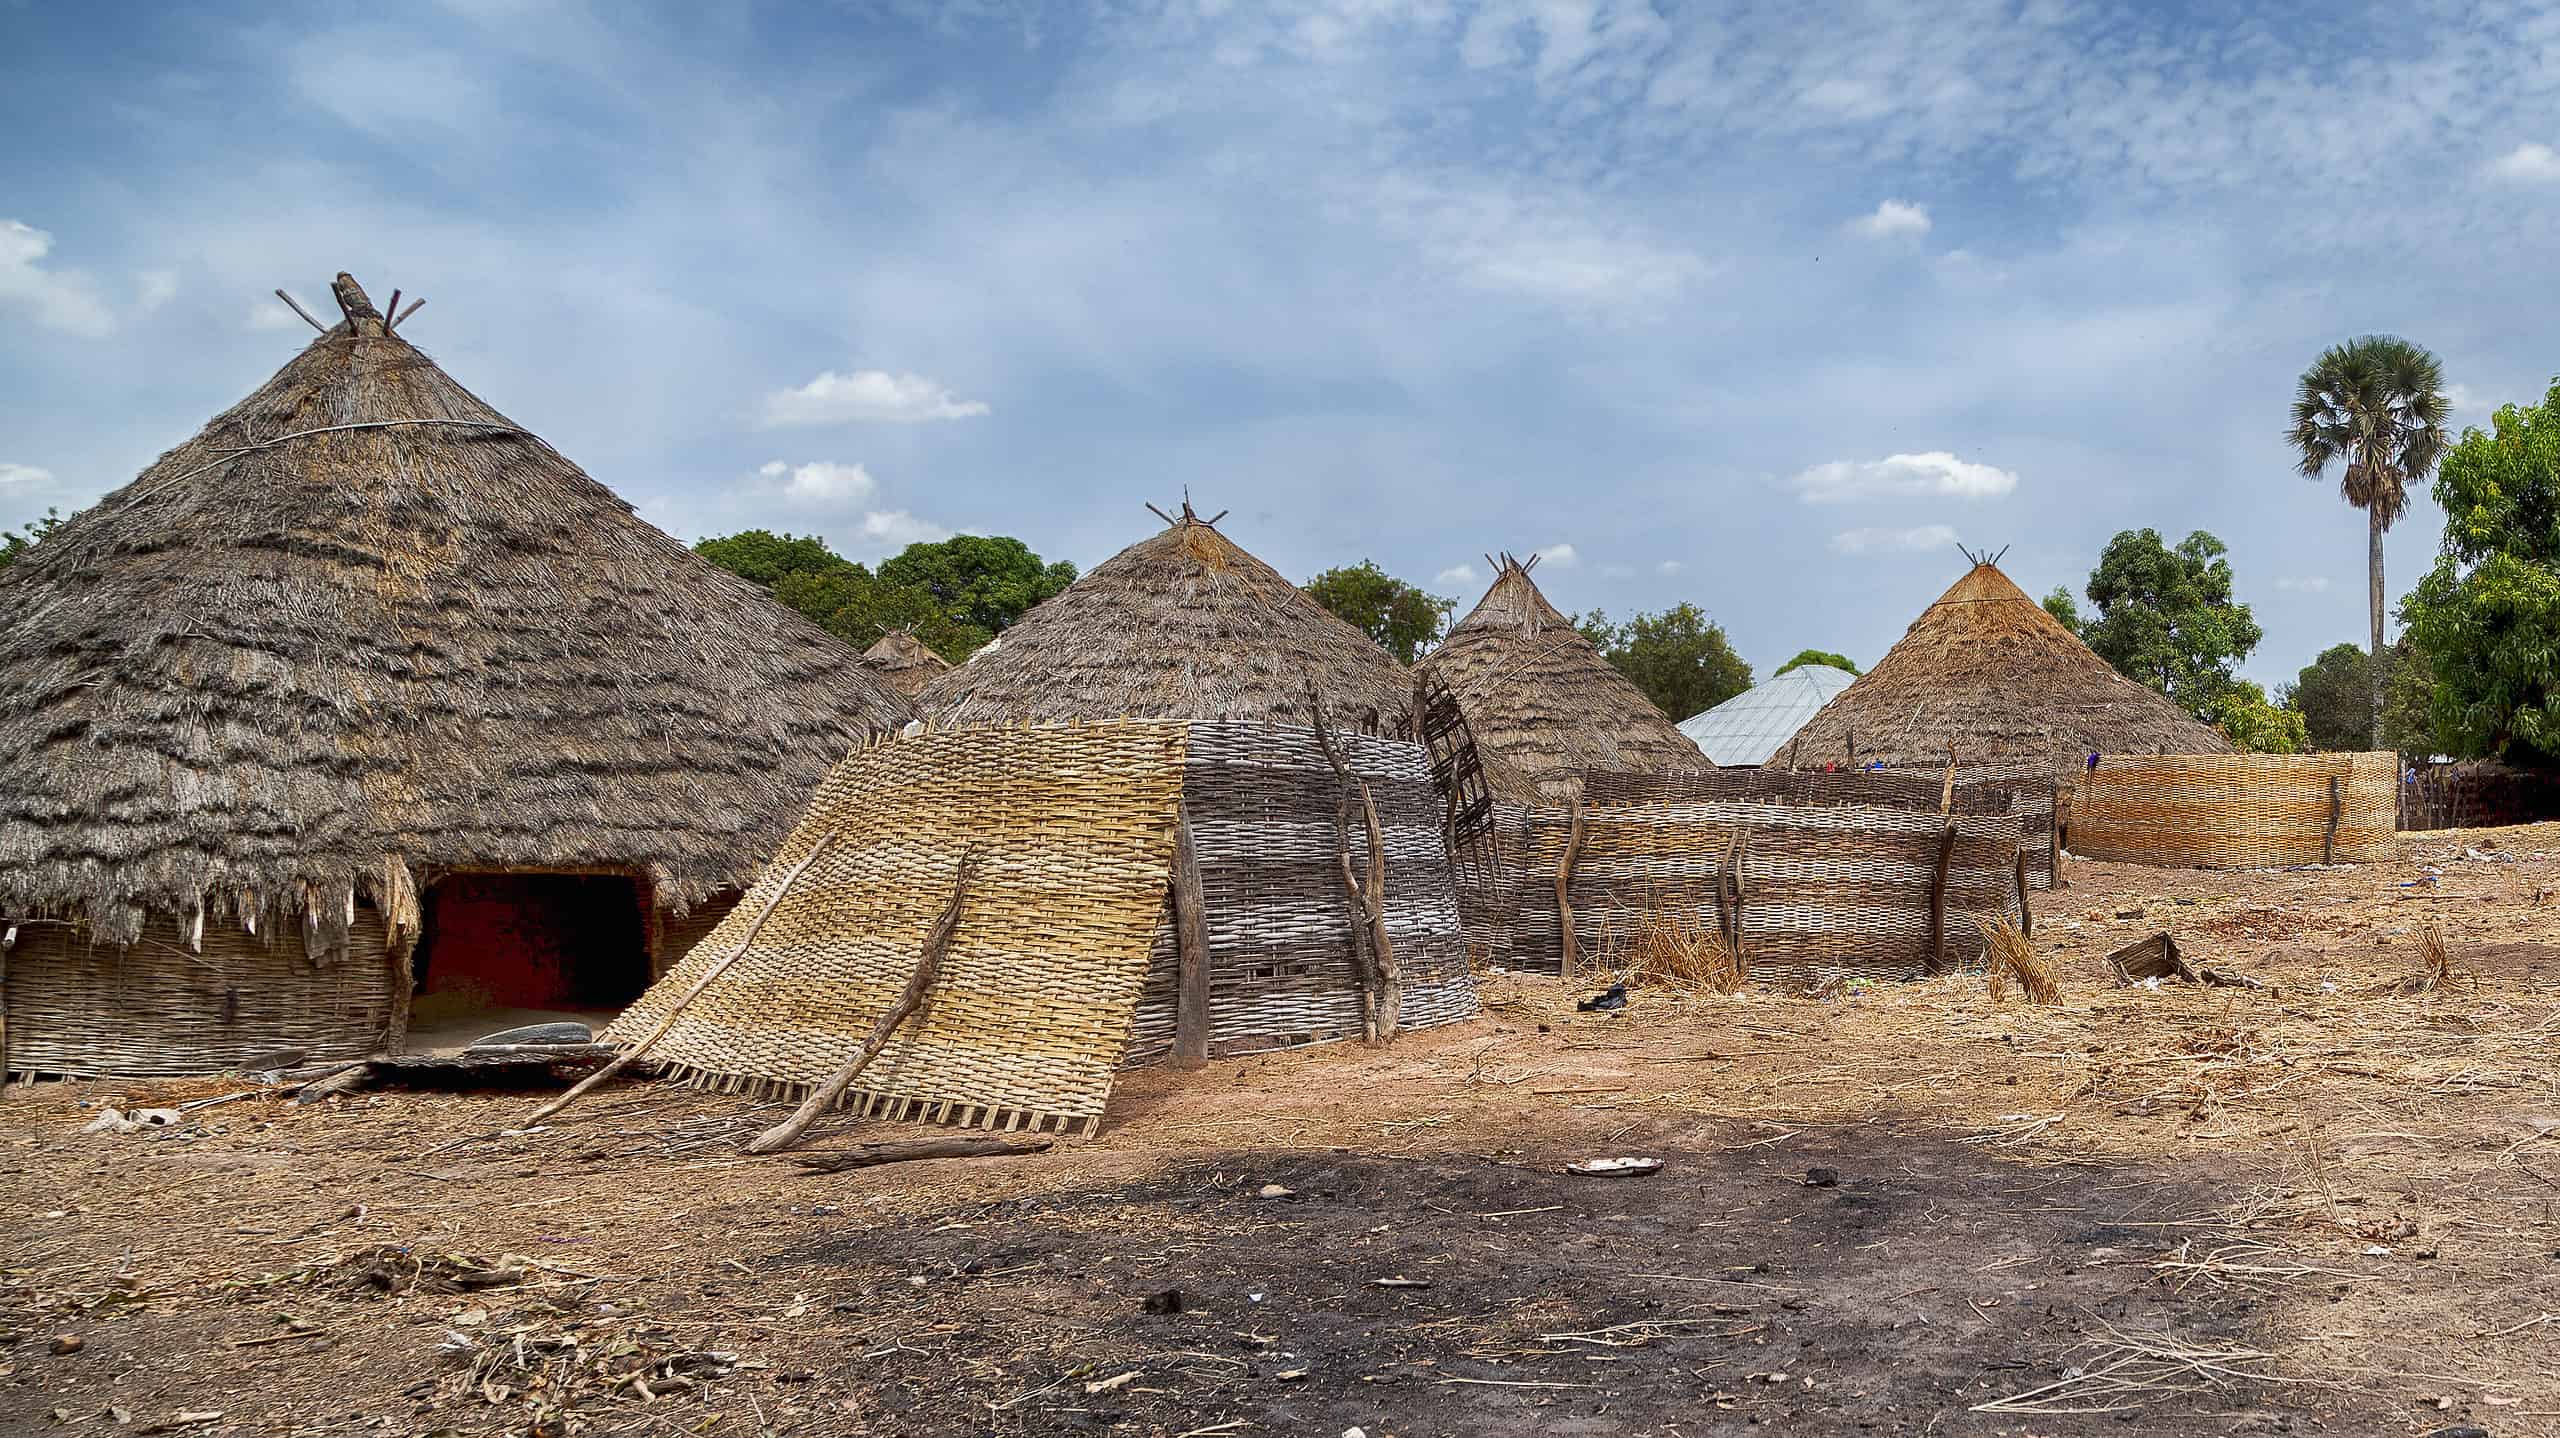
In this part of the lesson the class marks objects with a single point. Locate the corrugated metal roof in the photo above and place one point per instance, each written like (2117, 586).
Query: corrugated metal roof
(1756, 723)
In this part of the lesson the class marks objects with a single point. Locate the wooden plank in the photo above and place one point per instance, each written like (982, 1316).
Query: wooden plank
(1191, 943)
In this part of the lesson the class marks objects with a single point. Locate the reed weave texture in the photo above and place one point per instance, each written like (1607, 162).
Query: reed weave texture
(1029, 1016)
(1825, 886)
(1262, 805)
(156, 1008)
(2235, 811)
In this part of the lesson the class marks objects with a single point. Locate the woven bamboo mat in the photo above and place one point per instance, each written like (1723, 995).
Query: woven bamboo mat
(1027, 1021)
(2236, 811)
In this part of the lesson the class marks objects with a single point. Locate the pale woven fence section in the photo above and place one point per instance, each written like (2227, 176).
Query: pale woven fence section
(1262, 804)
(1028, 1018)
(156, 1007)
(2237, 811)
(1828, 886)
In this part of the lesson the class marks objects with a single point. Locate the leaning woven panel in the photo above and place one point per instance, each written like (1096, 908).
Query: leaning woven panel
(157, 1008)
(2235, 811)
(1825, 886)
(1027, 1018)
(1262, 805)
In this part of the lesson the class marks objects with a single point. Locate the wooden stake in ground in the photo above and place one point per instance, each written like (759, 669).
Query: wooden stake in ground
(928, 963)
(1369, 899)
(1564, 889)
(678, 1007)
(1191, 946)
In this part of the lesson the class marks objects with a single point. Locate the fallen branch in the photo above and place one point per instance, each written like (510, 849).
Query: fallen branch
(928, 964)
(872, 1155)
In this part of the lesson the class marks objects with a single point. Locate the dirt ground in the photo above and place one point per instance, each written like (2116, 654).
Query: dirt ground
(2327, 1206)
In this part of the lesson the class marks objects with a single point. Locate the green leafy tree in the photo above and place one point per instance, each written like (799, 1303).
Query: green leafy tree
(14, 542)
(2165, 617)
(766, 557)
(1817, 656)
(851, 602)
(1405, 621)
(1682, 661)
(2254, 725)
(2487, 618)
(2334, 694)
(2408, 699)
(987, 581)
(2064, 609)
(2374, 406)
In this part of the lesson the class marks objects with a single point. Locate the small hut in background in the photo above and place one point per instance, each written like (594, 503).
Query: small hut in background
(1541, 700)
(1986, 672)
(1183, 625)
(365, 687)
(903, 663)
(1753, 726)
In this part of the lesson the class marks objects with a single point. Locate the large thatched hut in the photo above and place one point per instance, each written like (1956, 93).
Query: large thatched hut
(1987, 672)
(1541, 700)
(1182, 625)
(365, 687)
(904, 663)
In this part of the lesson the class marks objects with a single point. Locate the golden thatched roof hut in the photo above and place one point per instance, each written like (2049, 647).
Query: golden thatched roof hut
(903, 662)
(1183, 625)
(1541, 700)
(1986, 671)
(362, 683)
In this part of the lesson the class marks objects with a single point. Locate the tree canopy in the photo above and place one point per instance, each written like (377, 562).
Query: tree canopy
(14, 542)
(1682, 660)
(2334, 694)
(2487, 618)
(2165, 617)
(2064, 609)
(955, 594)
(1404, 620)
(1816, 656)
(2256, 726)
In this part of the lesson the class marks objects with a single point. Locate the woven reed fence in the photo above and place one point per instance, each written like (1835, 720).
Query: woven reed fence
(1824, 886)
(2237, 811)
(1262, 804)
(1026, 1022)
(2035, 788)
(156, 1007)
(1489, 892)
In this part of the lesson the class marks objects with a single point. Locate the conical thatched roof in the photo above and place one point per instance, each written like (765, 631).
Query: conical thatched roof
(1542, 699)
(1987, 670)
(364, 627)
(903, 662)
(1184, 625)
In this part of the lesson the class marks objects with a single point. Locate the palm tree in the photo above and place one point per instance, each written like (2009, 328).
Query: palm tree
(2376, 403)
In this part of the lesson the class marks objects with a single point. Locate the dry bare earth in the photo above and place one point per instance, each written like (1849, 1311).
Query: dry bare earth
(2321, 1210)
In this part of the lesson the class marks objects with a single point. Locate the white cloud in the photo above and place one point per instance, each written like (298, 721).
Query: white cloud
(2531, 163)
(867, 396)
(1558, 247)
(56, 299)
(1559, 556)
(820, 482)
(1934, 474)
(2459, 399)
(1456, 574)
(886, 532)
(154, 288)
(1877, 541)
(23, 474)
(2313, 584)
(1893, 217)
(1667, 567)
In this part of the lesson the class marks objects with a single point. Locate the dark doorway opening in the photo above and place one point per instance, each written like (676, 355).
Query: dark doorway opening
(495, 950)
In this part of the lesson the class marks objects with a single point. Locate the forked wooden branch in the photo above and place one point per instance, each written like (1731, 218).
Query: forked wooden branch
(928, 964)
(676, 1009)
(1369, 899)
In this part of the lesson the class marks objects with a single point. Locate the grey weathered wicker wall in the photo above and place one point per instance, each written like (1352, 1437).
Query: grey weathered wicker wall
(1261, 805)
(1489, 891)
(1826, 885)
(156, 1008)
(2236, 811)
(2035, 789)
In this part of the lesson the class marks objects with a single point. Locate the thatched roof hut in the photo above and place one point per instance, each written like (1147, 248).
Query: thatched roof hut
(1987, 671)
(1541, 699)
(1183, 625)
(361, 634)
(903, 662)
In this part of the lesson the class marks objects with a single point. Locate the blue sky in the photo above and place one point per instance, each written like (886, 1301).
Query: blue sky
(1758, 306)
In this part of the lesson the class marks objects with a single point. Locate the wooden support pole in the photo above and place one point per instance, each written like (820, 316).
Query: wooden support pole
(678, 1007)
(1382, 948)
(1364, 969)
(1938, 899)
(2329, 840)
(937, 940)
(1741, 856)
(1725, 915)
(1191, 941)
(1564, 889)
(2026, 912)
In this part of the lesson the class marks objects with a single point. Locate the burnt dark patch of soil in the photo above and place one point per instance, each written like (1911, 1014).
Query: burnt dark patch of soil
(1494, 1296)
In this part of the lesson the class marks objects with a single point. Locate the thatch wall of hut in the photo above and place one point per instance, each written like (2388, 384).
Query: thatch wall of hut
(2237, 811)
